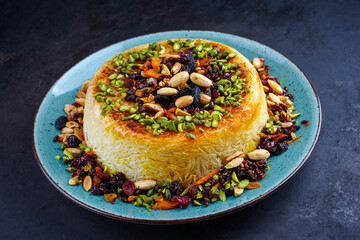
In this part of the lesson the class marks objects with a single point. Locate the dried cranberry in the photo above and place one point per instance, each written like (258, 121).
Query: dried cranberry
(276, 108)
(259, 174)
(60, 122)
(128, 188)
(183, 201)
(291, 97)
(72, 141)
(76, 105)
(102, 176)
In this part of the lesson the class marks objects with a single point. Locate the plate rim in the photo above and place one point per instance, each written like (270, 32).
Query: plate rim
(193, 219)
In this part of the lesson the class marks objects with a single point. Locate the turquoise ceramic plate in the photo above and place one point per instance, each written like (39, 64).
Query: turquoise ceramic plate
(283, 167)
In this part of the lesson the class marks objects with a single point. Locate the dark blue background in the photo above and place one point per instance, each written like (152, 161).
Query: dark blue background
(40, 40)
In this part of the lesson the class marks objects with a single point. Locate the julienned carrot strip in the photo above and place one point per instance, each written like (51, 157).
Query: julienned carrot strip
(217, 185)
(163, 204)
(279, 137)
(264, 135)
(152, 73)
(206, 177)
(171, 110)
(98, 169)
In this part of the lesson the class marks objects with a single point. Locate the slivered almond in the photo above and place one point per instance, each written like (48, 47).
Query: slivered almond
(67, 130)
(166, 56)
(204, 99)
(74, 181)
(275, 86)
(70, 109)
(72, 124)
(145, 184)
(178, 79)
(159, 114)
(167, 91)
(80, 101)
(200, 80)
(270, 103)
(62, 137)
(257, 63)
(87, 184)
(234, 155)
(80, 109)
(81, 94)
(180, 112)
(274, 98)
(238, 191)
(153, 106)
(253, 185)
(176, 68)
(184, 101)
(234, 163)
(74, 150)
(78, 134)
(286, 124)
(258, 154)
(266, 89)
(165, 70)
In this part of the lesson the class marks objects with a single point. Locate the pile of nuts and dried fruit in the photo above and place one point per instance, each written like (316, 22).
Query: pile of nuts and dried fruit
(195, 88)
(242, 171)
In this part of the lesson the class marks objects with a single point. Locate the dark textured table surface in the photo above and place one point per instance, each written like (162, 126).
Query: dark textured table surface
(40, 40)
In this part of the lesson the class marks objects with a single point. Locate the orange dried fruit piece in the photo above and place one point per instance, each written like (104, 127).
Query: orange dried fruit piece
(253, 185)
(111, 197)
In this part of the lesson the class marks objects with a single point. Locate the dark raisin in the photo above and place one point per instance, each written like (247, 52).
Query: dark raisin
(72, 141)
(135, 76)
(175, 188)
(60, 122)
(196, 93)
(163, 100)
(184, 92)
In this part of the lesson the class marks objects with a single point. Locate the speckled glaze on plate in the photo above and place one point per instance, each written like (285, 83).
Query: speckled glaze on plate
(282, 167)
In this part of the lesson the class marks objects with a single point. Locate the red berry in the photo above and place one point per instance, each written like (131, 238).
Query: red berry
(129, 188)
(183, 201)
